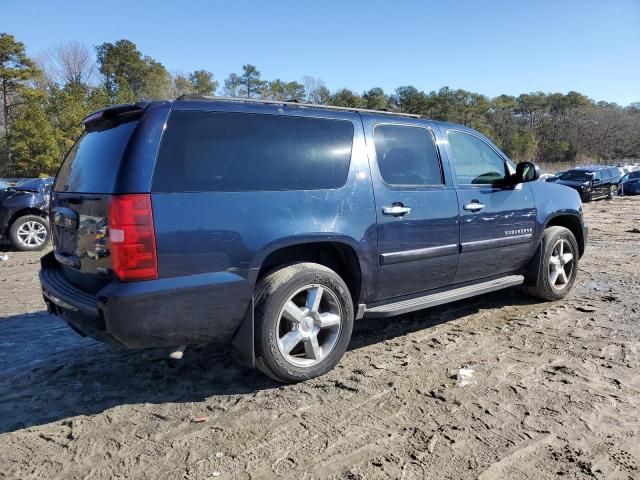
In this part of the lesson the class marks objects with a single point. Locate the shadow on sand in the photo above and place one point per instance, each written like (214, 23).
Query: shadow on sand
(49, 373)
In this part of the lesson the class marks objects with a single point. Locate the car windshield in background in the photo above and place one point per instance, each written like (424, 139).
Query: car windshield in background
(33, 184)
(577, 175)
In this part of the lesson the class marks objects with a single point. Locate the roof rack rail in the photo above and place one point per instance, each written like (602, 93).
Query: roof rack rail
(192, 97)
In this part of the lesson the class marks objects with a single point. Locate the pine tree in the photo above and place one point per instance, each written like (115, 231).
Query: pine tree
(15, 70)
(33, 146)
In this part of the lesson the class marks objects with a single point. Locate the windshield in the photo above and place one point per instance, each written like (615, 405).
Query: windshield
(577, 175)
(3, 185)
(33, 184)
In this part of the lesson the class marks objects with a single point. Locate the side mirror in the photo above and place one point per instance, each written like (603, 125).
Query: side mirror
(527, 172)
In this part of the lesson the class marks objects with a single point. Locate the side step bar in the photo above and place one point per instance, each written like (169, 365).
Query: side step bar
(440, 298)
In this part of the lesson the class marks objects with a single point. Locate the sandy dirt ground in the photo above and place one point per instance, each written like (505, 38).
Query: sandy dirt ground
(545, 390)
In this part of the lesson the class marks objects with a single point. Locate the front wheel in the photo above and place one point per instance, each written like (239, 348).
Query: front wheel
(303, 322)
(586, 197)
(613, 190)
(29, 233)
(552, 272)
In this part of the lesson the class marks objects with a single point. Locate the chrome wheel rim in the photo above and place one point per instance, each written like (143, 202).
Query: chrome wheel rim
(309, 325)
(561, 264)
(32, 234)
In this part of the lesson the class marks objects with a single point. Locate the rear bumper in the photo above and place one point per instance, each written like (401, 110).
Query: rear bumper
(206, 308)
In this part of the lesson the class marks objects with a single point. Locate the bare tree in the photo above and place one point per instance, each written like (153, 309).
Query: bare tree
(314, 87)
(72, 62)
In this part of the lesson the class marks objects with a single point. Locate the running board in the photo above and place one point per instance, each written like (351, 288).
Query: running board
(434, 299)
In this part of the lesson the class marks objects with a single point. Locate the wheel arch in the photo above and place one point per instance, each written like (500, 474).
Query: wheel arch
(340, 256)
(571, 222)
(21, 213)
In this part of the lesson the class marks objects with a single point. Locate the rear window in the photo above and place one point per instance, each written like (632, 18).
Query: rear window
(213, 151)
(92, 163)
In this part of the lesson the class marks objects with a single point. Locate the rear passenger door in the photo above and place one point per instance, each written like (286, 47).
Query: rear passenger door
(497, 222)
(417, 213)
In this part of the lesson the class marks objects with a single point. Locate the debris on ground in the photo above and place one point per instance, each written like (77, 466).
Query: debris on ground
(586, 308)
(463, 376)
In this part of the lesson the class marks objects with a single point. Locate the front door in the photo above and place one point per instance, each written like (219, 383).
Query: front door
(417, 213)
(497, 223)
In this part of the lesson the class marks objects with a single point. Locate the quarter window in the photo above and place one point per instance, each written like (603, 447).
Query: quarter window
(214, 151)
(474, 162)
(407, 155)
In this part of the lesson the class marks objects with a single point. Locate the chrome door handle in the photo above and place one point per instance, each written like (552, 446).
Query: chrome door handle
(396, 210)
(474, 206)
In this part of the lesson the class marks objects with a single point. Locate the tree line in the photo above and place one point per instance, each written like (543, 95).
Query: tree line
(44, 100)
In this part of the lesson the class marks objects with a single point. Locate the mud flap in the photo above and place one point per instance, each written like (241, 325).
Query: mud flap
(243, 340)
(534, 269)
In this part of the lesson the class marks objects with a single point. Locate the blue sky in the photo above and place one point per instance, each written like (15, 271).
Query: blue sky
(490, 47)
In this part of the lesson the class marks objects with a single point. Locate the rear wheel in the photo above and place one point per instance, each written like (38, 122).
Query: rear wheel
(552, 272)
(304, 320)
(29, 233)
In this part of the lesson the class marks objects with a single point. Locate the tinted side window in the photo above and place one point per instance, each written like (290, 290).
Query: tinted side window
(212, 151)
(407, 155)
(474, 162)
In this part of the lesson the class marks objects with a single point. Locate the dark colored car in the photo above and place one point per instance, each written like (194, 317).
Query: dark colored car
(13, 180)
(630, 183)
(592, 182)
(272, 226)
(24, 210)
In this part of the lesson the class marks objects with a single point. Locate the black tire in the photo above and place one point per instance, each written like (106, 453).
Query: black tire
(537, 280)
(16, 236)
(613, 191)
(272, 292)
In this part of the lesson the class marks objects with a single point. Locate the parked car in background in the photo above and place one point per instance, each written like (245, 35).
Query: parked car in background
(12, 181)
(624, 169)
(545, 177)
(591, 182)
(630, 183)
(24, 210)
(272, 226)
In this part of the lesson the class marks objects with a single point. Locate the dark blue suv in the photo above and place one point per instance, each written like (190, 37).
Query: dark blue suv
(272, 226)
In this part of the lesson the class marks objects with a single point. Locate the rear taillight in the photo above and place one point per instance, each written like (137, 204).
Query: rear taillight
(132, 237)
